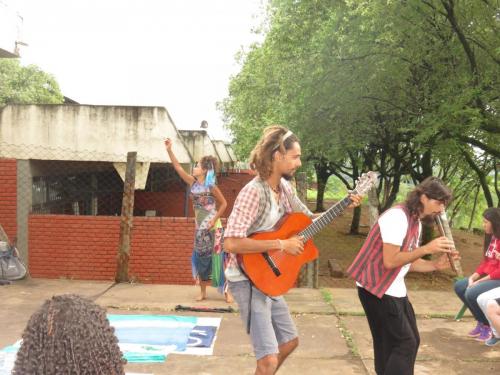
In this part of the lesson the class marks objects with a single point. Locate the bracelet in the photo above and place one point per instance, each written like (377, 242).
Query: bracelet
(281, 245)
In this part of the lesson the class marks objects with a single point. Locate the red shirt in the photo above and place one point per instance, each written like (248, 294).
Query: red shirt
(491, 262)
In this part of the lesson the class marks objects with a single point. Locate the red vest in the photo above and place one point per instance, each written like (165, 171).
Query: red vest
(368, 267)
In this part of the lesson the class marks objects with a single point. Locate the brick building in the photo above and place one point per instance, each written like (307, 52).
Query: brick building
(61, 170)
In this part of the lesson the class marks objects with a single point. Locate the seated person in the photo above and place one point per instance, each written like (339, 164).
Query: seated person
(69, 334)
(486, 277)
(489, 302)
(493, 314)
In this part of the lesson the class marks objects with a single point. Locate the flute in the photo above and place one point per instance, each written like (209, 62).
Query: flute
(444, 228)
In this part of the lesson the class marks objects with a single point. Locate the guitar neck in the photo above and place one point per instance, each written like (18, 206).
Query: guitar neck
(325, 219)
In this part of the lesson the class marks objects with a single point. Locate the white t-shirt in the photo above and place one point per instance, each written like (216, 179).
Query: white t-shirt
(393, 226)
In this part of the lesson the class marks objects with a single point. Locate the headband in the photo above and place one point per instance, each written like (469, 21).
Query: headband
(287, 134)
(285, 137)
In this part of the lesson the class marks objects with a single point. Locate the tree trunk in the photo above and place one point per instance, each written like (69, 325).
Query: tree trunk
(427, 232)
(482, 178)
(469, 227)
(356, 216)
(301, 186)
(496, 164)
(373, 205)
(322, 176)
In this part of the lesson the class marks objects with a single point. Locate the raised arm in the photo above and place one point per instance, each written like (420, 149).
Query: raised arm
(188, 179)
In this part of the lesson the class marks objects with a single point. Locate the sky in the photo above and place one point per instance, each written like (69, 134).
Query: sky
(178, 54)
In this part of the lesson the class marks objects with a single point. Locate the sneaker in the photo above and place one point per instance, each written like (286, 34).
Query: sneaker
(485, 334)
(492, 341)
(476, 331)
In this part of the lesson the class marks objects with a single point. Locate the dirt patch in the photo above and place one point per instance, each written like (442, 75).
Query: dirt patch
(335, 242)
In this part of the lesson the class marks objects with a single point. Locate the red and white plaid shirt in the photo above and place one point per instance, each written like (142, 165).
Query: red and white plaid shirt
(251, 210)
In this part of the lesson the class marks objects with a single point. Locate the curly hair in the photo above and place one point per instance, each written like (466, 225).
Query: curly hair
(261, 157)
(69, 334)
(208, 162)
(433, 188)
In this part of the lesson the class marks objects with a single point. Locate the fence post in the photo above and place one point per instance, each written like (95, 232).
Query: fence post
(24, 202)
(308, 276)
(126, 220)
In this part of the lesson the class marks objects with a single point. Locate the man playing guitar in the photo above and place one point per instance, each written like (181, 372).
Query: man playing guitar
(258, 207)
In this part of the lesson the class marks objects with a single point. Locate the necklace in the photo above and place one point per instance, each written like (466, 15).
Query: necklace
(276, 190)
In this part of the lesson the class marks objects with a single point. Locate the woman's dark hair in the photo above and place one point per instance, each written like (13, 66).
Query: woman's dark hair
(271, 141)
(433, 188)
(69, 334)
(208, 162)
(493, 216)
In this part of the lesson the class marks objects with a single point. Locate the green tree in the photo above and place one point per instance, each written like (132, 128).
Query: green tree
(408, 88)
(27, 85)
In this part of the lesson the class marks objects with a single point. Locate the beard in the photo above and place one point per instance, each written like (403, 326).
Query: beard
(287, 176)
(428, 220)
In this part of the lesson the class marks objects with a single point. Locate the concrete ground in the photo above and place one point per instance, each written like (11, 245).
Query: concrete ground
(334, 337)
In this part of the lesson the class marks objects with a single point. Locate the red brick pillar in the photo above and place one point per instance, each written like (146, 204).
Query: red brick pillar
(8, 196)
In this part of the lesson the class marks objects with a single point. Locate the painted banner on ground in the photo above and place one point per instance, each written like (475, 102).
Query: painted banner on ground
(149, 338)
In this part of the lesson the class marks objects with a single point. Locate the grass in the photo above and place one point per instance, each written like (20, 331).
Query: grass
(329, 195)
(351, 344)
(327, 296)
(344, 331)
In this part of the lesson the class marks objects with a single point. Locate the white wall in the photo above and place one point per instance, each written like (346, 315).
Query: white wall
(198, 143)
(223, 152)
(85, 132)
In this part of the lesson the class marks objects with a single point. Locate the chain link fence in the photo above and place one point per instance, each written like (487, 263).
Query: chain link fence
(57, 181)
(49, 183)
(38, 180)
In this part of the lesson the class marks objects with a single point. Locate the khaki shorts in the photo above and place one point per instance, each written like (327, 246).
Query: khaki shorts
(271, 324)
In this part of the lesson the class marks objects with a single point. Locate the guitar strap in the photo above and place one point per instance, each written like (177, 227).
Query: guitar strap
(249, 317)
(252, 285)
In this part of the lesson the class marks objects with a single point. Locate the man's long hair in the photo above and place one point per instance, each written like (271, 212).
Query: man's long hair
(261, 158)
(69, 334)
(433, 188)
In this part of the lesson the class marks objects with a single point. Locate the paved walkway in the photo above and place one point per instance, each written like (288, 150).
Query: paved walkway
(334, 338)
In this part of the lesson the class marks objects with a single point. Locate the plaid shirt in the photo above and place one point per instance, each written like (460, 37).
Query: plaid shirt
(253, 206)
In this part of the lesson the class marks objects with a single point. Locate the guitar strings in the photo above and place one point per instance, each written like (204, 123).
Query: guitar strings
(324, 219)
(316, 226)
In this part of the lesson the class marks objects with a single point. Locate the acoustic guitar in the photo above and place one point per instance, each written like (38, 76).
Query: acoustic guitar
(274, 272)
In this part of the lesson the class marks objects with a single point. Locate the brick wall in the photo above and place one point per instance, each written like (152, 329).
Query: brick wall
(171, 203)
(231, 185)
(85, 247)
(165, 203)
(8, 196)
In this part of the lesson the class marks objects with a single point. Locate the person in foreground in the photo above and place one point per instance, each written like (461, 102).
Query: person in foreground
(388, 253)
(258, 207)
(69, 334)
